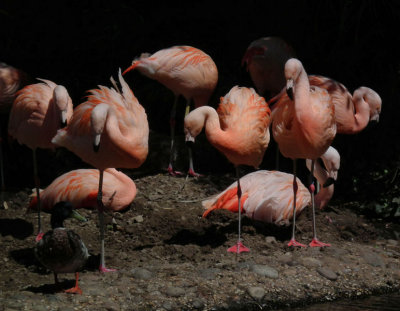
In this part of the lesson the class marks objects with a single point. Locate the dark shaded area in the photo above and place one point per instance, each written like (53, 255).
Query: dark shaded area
(80, 44)
(17, 228)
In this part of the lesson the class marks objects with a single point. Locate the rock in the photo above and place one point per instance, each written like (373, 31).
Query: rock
(270, 240)
(265, 271)
(210, 273)
(310, 262)
(373, 259)
(327, 273)
(257, 293)
(138, 219)
(142, 274)
(392, 242)
(198, 304)
(174, 291)
(168, 305)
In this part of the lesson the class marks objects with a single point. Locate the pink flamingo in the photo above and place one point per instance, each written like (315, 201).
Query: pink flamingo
(303, 126)
(352, 113)
(11, 80)
(239, 129)
(186, 71)
(267, 197)
(38, 111)
(110, 129)
(80, 188)
(265, 59)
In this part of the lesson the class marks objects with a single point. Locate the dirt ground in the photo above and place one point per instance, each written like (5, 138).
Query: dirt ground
(169, 258)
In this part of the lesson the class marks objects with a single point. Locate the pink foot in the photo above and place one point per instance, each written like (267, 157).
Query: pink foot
(192, 173)
(238, 248)
(74, 290)
(39, 236)
(293, 242)
(172, 172)
(317, 243)
(103, 269)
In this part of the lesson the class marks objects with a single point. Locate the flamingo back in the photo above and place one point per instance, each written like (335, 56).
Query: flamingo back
(268, 197)
(246, 117)
(80, 187)
(34, 117)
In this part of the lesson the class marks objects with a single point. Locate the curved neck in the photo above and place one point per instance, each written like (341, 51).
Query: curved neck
(362, 112)
(324, 194)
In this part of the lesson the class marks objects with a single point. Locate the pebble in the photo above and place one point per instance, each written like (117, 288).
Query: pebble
(327, 273)
(198, 304)
(265, 271)
(209, 273)
(373, 259)
(168, 305)
(270, 240)
(257, 293)
(174, 291)
(141, 273)
(310, 262)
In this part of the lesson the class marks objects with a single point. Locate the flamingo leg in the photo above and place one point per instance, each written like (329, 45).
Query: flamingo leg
(293, 241)
(37, 185)
(191, 171)
(315, 242)
(3, 187)
(172, 122)
(239, 247)
(100, 209)
(76, 289)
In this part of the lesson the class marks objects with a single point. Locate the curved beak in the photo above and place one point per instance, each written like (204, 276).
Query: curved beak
(328, 182)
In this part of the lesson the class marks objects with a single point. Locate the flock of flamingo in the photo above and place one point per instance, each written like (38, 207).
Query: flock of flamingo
(110, 130)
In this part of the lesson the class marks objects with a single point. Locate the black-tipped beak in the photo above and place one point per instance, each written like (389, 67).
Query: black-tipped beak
(189, 143)
(289, 89)
(63, 124)
(328, 182)
(96, 147)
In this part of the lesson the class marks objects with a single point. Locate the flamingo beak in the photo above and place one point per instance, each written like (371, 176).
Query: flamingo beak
(289, 88)
(189, 138)
(63, 119)
(96, 143)
(328, 182)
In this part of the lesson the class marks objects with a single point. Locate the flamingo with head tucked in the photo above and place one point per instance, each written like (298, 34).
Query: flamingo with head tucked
(109, 130)
(267, 195)
(239, 129)
(304, 127)
(38, 111)
(186, 71)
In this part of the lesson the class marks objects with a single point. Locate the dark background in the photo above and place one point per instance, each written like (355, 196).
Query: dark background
(80, 44)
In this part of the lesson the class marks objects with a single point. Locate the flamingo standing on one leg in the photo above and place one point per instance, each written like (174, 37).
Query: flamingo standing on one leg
(304, 126)
(267, 195)
(80, 188)
(265, 59)
(38, 111)
(186, 71)
(11, 80)
(239, 129)
(110, 129)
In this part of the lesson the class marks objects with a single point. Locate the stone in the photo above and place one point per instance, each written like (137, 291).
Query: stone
(142, 274)
(174, 291)
(257, 293)
(310, 262)
(209, 273)
(373, 259)
(265, 271)
(198, 304)
(270, 240)
(327, 273)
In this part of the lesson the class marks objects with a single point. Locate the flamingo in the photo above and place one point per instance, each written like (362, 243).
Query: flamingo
(109, 130)
(11, 80)
(239, 129)
(186, 71)
(266, 195)
(80, 188)
(38, 111)
(352, 113)
(265, 60)
(304, 127)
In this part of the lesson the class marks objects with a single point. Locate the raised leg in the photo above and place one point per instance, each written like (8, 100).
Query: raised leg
(37, 185)
(76, 289)
(293, 241)
(172, 122)
(315, 242)
(239, 247)
(100, 209)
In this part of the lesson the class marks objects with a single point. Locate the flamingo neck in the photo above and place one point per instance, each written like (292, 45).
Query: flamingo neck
(216, 136)
(325, 194)
(362, 112)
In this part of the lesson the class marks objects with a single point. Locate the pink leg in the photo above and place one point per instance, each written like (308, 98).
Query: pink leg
(239, 247)
(293, 241)
(76, 289)
(315, 242)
